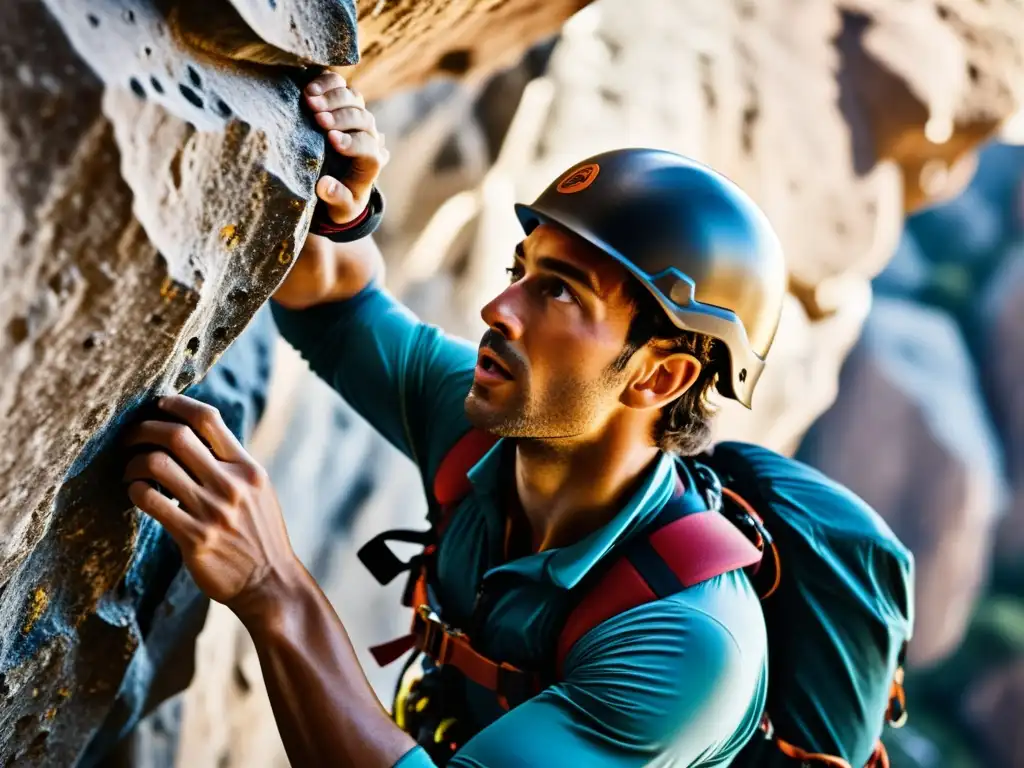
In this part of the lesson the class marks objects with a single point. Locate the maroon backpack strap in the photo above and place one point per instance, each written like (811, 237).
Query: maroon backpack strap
(697, 547)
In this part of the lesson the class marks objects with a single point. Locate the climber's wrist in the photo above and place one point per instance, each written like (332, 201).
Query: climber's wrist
(348, 228)
(266, 604)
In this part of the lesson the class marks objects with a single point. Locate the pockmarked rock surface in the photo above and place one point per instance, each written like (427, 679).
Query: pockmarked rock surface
(153, 202)
(148, 225)
(910, 434)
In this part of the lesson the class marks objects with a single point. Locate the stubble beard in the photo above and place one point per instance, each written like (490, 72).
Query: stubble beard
(568, 409)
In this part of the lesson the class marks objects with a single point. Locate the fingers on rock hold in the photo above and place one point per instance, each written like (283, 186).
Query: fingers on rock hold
(325, 82)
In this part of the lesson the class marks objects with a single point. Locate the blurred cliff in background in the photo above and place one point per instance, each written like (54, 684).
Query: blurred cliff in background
(928, 426)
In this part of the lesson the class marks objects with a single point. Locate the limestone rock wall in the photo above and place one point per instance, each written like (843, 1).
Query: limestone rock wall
(153, 202)
(133, 212)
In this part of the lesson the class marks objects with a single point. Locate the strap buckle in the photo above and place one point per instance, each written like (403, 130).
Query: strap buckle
(434, 636)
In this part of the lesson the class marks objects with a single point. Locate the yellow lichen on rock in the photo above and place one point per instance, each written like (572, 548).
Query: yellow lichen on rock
(36, 609)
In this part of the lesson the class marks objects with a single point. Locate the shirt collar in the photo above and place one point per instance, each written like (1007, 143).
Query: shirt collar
(566, 566)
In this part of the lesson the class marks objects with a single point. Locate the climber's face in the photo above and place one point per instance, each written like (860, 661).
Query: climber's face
(547, 363)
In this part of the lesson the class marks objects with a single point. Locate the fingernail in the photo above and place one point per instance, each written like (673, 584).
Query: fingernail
(345, 140)
(326, 119)
(317, 104)
(315, 88)
(332, 187)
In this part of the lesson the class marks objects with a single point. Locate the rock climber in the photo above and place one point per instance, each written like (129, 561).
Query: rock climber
(644, 281)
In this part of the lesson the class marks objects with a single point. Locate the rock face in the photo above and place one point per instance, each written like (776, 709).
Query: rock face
(134, 231)
(910, 434)
(155, 200)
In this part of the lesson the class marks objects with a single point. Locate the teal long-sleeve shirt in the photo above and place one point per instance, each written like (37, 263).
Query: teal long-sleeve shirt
(680, 681)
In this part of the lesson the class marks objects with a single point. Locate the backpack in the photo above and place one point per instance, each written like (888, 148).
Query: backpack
(835, 583)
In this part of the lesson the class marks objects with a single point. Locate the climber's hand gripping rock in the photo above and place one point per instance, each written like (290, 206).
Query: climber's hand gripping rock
(351, 132)
(328, 271)
(224, 514)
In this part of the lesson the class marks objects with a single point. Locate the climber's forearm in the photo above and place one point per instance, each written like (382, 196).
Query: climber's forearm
(328, 271)
(325, 709)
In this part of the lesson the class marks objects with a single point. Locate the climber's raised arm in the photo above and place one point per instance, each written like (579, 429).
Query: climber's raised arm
(397, 372)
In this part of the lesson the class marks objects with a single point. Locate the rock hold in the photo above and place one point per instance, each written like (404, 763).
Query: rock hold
(403, 43)
(276, 32)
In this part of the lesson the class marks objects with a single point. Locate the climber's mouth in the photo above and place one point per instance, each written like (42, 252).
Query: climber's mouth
(490, 369)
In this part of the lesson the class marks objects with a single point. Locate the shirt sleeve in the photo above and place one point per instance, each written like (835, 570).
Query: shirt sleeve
(408, 379)
(660, 679)
(416, 757)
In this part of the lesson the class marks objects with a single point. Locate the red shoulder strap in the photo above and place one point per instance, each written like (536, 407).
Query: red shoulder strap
(696, 548)
(451, 483)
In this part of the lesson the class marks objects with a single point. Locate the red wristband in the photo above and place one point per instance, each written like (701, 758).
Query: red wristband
(324, 226)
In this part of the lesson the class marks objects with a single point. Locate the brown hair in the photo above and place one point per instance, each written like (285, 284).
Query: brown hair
(684, 427)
